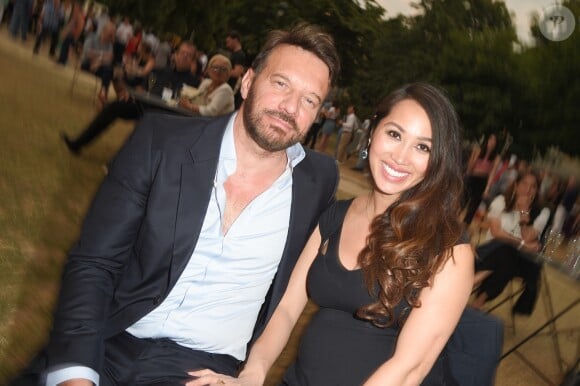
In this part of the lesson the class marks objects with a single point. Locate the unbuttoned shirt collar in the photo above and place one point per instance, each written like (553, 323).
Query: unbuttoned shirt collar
(214, 305)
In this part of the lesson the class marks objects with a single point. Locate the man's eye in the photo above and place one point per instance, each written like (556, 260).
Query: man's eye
(310, 102)
(279, 84)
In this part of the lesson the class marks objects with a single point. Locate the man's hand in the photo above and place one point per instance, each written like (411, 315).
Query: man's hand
(211, 378)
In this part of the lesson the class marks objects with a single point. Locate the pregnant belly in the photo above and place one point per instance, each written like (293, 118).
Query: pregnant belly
(338, 349)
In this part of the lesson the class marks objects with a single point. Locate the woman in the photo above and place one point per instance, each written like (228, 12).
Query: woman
(389, 269)
(481, 168)
(328, 127)
(71, 31)
(516, 224)
(214, 96)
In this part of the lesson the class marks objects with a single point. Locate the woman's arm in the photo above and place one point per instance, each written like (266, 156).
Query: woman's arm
(428, 327)
(272, 341)
(472, 158)
(496, 163)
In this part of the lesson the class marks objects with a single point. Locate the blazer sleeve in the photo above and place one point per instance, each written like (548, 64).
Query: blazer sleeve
(101, 253)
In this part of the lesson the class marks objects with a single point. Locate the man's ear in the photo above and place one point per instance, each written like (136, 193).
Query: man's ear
(247, 81)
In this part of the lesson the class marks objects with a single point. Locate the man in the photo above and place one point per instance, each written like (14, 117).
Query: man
(192, 237)
(127, 108)
(238, 59)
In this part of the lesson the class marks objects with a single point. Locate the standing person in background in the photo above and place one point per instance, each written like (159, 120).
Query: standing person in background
(3, 4)
(133, 43)
(151, 38)
(481, 167)
(389, 269)
(90, 27)
(348, 127)
(122, 35)
(163, 52)
(49, 24)
(328, 127)
(312, 135)
(21, 10)
(71, 31)
(202, 59)
(363, 153)
(239, 63)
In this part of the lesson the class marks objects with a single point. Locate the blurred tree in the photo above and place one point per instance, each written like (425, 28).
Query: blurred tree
(551, 115)
(469, 47)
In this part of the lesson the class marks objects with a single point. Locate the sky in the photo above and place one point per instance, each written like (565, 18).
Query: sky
(521, 8)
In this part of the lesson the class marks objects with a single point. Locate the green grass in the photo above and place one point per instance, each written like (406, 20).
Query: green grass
(44, 190)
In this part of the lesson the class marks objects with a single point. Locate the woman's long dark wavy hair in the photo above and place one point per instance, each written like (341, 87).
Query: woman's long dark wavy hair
(414, 237)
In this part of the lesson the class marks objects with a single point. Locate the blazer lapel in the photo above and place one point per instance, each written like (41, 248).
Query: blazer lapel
(197, 178)
(303, 184)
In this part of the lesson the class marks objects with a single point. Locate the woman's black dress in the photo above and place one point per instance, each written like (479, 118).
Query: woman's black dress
(337, 348)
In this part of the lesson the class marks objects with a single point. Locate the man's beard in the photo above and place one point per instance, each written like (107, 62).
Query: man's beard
(270, 138)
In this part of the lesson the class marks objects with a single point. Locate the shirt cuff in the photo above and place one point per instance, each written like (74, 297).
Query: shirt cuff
(53, 378)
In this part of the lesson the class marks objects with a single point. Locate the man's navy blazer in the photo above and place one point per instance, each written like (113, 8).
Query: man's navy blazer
(143, 226)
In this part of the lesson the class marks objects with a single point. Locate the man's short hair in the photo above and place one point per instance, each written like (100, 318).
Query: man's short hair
(234, 35)
(308, 37)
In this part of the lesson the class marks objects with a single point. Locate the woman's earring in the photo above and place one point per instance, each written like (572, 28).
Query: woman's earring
(364, 153)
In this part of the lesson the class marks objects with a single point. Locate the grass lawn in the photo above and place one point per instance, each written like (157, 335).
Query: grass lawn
(44, 190)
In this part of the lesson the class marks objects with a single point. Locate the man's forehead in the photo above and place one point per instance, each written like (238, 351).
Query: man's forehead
(186, 50)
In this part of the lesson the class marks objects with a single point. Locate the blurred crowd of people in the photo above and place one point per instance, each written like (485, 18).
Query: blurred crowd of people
(128, 57)
(491, 170)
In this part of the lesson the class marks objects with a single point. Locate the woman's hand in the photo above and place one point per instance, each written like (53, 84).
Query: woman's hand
(186, 104)
(210, 378)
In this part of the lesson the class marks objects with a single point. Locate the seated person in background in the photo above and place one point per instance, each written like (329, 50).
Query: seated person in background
(163, 53)
(127, 108)
(516, 224)
(98, 57)
(214, 95)
(389, 269)
(136, 70)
